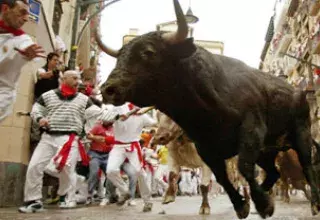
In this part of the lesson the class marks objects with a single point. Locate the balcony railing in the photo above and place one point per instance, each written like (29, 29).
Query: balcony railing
(316, 43)
(294, 4)
(282, 42)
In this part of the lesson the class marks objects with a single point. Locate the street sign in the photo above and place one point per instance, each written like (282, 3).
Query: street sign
(34, 10)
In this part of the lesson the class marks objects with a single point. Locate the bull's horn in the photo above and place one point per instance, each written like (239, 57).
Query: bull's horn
(182, 31)
(146, 109)
(103, 47)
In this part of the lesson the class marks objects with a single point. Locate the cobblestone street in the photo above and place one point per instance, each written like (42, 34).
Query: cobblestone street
(185, 208)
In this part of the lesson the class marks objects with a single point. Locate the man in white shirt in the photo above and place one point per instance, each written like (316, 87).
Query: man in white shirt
(16, 49)
(127, 135)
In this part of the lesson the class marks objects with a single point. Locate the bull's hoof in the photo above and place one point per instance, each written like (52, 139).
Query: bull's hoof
(244, 211)
(168, 199)
(265, 209)
(286, 199)
(315, 208)
(204, 210)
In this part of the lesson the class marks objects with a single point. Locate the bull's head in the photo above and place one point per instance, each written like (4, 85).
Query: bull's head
(167, 130)
(142, 62)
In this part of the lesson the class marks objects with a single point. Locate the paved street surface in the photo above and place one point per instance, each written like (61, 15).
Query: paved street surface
(185, 208)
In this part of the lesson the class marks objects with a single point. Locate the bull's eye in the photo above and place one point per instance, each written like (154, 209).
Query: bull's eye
(148, 52)
(110, 90)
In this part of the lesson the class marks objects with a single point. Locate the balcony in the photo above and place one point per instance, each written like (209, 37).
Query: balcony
(314, 7)
(282, 43)
(294, 4)
(316, 43)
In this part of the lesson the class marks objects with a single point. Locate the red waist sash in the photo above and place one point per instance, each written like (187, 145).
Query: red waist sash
(65, 150)
(133, 145)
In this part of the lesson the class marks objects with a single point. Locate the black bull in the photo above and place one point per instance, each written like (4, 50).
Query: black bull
(225, 107)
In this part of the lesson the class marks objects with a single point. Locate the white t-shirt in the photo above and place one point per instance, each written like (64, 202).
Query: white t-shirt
(130, 130)
(11, 61)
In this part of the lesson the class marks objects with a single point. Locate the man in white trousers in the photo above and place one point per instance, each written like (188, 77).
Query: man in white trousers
(162, 170)
(127, 135)
(62, 112)
(185, 184)
(151, 165)
(16, 49)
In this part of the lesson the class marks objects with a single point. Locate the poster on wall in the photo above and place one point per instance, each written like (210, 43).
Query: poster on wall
(34, 10)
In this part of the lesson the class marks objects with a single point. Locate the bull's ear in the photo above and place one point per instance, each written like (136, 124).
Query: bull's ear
(183, 49)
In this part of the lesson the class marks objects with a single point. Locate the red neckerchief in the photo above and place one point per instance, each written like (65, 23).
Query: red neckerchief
(89, 90)
(67, 91)
(131, 106)
(11, 30)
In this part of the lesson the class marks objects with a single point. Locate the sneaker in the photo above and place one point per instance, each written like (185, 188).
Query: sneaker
(89, 201)
(122, 200)
(132, 202)
(147, 207)
(35, 206)
(104, 202)
(67, 205)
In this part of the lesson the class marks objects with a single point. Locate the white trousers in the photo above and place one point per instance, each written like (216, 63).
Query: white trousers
(186, 182)
(159, 174)
(7, 97)
(194, 185)
(82, 188)
(117, 156)
(42, 160)
(150, 179)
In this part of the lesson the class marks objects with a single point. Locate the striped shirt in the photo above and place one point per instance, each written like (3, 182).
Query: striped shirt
(67, 115)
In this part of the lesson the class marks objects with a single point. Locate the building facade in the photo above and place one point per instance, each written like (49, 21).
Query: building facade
(292, 49)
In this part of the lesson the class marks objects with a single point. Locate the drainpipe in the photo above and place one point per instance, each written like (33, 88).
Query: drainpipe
(73, 53)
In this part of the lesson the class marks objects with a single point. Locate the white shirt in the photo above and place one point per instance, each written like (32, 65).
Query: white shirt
(11, 61)
(130, 130)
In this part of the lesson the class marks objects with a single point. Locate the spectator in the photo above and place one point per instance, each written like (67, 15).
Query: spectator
(48, 76)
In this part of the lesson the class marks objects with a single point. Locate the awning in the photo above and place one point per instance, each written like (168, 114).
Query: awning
(264, 51)
(270, 31)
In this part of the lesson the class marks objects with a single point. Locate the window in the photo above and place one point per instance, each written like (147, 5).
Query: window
(306, 57)
(57, 12)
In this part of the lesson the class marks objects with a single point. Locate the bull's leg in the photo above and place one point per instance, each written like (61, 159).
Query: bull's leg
(301, 185)
(251, 141)
(267, 162)
(204, 187)
(306, 190)
(170, 194)
(285, 190)
(240, 204)
(302, 143)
